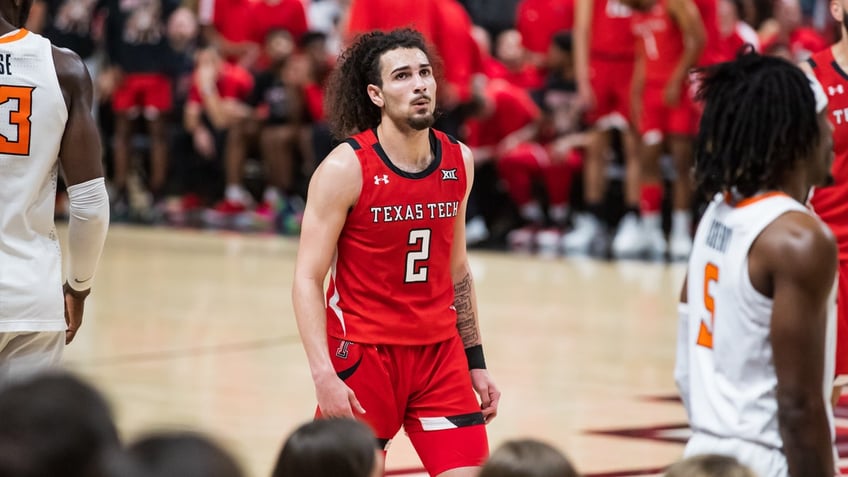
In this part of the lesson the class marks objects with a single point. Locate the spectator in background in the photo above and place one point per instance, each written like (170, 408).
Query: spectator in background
(55, 424)
(785, 32)
(552, 161)
(734, 32)
(278, 125)
(603, 61)
(227, 25)
(181, 454)
(671, 40)
(518, 70)
(216, 101)
(527, 458)
(330, 448)
(506, 122)
(538, 21)
(269, 15)
(68, 24)
(140, 65)
(368, 15)
(709, 465)
(314, 46)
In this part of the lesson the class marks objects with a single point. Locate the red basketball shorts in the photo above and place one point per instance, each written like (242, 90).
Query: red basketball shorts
(610, 81)
(426, 389)
(658, 119)
(143, 91)
(842, 322)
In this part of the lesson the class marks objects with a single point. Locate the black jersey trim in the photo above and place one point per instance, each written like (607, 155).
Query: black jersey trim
(435, 146)
(839, 69)
(353, 143)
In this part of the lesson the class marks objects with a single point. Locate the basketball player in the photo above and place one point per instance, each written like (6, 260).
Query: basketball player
(45, 113)
(603, 62)
(757, 331)
(399, 337)
(831, 202)
(671, 39)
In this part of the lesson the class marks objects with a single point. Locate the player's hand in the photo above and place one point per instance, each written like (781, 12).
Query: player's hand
(74, 306)
(671, 93)
(586, 96)
(489, 394)
(335, 398)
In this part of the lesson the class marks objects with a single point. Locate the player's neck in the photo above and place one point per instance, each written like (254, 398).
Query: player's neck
(408, 149)
(840, 51)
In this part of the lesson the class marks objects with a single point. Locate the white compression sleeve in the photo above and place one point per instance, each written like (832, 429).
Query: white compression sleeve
(681, 363)
(89, 220)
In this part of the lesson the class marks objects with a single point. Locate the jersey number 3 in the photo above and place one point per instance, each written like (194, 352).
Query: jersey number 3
(415, 271)
(705, 333)
(15, 123)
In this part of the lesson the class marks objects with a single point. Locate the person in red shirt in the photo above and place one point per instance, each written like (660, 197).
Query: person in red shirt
(785, 33)
(399, 335)
(216, 101)
(831, 203)
(604, 55)
(672, 38)
(226, 24)
(538, 21)
(504, 129)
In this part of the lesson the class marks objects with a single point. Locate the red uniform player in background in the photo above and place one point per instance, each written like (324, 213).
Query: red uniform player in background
(831, 203)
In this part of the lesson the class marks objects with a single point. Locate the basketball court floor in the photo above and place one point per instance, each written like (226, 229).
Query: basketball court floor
(194, 330)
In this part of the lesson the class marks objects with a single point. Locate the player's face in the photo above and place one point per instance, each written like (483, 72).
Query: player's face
(839, 11)
(408, 93)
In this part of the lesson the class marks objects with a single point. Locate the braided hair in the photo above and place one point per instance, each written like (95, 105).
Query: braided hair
(349, 108)
(759, 120)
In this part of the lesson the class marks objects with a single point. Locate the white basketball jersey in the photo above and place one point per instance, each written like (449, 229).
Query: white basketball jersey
(33, 114)
(732, 381)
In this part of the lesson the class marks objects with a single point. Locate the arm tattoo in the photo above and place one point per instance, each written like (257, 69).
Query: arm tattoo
(466, 320)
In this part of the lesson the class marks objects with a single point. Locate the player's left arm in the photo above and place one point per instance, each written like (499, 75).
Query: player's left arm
(465, 302)
(80, 156)
(685, 14)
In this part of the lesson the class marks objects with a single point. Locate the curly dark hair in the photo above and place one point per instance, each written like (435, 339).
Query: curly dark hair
(759, 120)
(349, 109)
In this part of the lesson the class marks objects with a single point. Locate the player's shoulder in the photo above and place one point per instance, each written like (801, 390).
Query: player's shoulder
(70, 68)
(797, 242)
(341, 166)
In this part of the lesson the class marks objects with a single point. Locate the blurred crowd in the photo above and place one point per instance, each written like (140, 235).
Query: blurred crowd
(212, 113)
(58, 424)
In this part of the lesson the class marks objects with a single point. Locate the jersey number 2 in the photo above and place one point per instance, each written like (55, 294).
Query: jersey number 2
(705, 333)
(415, 271)
(19, 118)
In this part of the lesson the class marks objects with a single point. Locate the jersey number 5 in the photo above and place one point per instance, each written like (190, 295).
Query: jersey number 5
(15, 129)
(415, 271)
(705, 333)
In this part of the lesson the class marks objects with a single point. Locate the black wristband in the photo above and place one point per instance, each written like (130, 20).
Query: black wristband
(474, 355)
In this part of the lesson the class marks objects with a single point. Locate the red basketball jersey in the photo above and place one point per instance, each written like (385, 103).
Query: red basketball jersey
(661, 41)
(391, 281)
(831, 203)
(714, 51)
(610, 30)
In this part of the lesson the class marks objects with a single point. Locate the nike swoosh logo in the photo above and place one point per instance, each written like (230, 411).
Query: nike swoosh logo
(349, 371)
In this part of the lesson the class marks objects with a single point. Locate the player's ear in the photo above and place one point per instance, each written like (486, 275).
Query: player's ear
(376, 95)
(836, 10)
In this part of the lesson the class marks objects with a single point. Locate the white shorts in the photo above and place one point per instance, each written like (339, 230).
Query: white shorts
(26, 353)
(763, 460)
